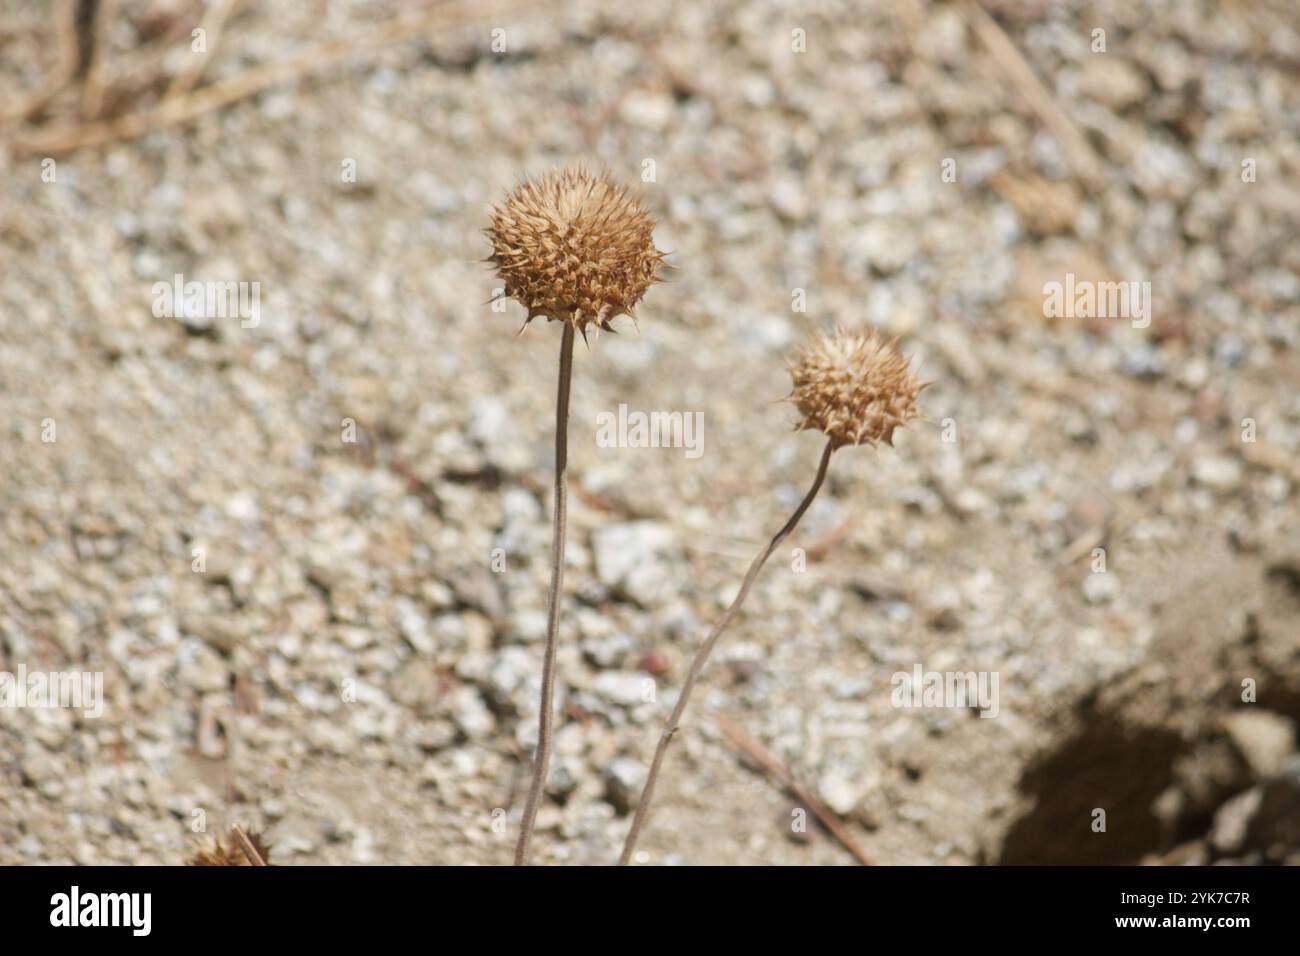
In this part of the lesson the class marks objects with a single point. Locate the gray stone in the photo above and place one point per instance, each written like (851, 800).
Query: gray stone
(1232, 821)
(630, 558)
(200, 668)
(624, 778)
(1218, 472)
(624, 688)
(471, 714)
(1265, 740)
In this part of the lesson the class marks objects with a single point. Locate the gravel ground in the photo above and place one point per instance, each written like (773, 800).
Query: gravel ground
(309, 557)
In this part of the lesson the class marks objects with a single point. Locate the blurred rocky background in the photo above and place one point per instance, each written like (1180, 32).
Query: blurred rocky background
(1104, 515)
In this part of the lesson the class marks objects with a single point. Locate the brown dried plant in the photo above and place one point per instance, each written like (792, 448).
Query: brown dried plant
(575, 248)
(578, 249)
(855, 389)
(237, 848)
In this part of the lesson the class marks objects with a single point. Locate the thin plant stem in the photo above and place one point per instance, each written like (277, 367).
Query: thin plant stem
(702, 656)
(544, 720)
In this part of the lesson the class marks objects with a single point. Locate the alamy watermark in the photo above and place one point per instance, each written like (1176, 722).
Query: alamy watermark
(1085, 299)
(959, 690)
(130, 910)
(635, 429)
(179, 299)
(76, 690)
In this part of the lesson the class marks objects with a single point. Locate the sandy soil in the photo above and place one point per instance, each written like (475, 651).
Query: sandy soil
(309, 555)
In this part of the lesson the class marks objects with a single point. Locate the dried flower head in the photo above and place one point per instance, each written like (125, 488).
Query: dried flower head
(574, 247)
(227, 851)
(855, 388)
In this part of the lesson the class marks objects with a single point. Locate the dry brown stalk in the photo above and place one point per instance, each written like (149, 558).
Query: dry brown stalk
(541, 761)
(856, 390)
(577, 249)
(702, 657)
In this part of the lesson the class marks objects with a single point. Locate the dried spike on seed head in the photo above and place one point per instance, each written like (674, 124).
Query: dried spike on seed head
(574, 247)
(228, 851)
(854, 388)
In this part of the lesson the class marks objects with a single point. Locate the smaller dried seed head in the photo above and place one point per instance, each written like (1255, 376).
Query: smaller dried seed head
(574, 247)
(855, 388)
(219, 851)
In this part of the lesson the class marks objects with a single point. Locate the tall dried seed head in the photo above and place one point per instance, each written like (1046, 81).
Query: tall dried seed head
(855, 388)
(574, 247)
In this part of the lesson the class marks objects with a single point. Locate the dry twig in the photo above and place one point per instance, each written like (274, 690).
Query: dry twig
(214, 21)
(185, 108)
(69, 65)
(782, 774)
(255, 857)
(1082, 157)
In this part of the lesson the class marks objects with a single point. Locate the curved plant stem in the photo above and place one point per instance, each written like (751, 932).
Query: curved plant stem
(702, 656)
(543, 754)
